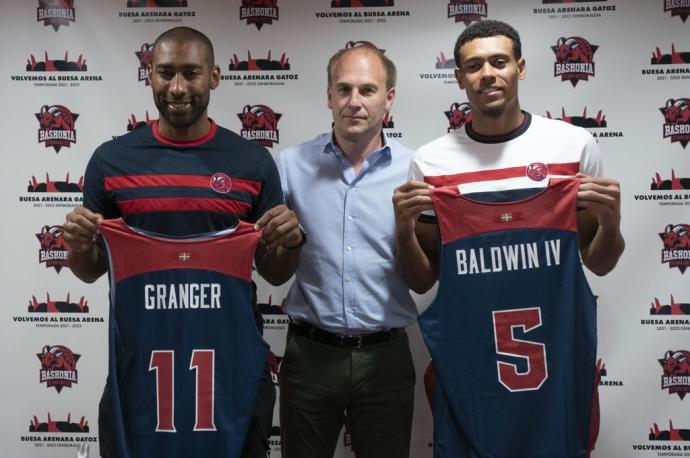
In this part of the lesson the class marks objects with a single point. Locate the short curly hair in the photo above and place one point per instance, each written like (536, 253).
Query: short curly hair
(486, 29)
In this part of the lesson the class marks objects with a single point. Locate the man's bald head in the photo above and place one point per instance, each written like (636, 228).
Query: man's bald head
(185, 35)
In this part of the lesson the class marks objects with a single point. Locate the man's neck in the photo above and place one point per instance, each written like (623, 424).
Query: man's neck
(182, 134)
(490, 126)
(357, 151)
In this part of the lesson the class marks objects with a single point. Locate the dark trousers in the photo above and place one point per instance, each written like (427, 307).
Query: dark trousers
(320, 385)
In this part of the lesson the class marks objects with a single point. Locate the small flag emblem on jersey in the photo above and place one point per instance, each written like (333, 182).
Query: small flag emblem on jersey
(183, 256)
(506, 217)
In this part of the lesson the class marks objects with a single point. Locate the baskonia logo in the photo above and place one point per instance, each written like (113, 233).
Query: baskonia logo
(676, 250)
(676, 113)
(56, 126)
(58, 367)
(467, 11)
(574, 59)
(50, 306)
(671, 434)
(676, 376)
(252, 64)
(674, 184)
(458, 115)
(60, 426)
(260, 124)
(55, 12)
(144, 55)
(51, 65)
(55, 186)
(674, 308)
(259, 12)
(678, 8)
(53, 249)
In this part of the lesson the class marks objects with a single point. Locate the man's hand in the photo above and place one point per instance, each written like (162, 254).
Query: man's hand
(409, 200)
(281, 228)
(603, 197)
(80, 229)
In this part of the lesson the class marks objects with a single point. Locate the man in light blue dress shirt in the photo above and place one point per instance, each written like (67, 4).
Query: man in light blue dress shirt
(347, 357)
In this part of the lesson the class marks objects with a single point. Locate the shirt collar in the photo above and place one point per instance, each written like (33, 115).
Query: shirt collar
(383, 152)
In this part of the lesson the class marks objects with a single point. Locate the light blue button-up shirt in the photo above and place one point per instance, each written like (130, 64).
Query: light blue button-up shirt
(347, 280)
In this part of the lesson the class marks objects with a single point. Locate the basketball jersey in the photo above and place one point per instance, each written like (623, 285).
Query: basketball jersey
(185, 354)
(512, 330)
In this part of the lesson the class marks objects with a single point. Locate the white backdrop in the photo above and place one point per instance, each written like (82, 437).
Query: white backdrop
(91, 52)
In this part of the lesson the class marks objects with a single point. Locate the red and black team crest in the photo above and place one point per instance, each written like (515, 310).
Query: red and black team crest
(55, 12)
(458, 115)
(467, 11)
(221, 183)
(252, 64)
(52, 426)
(53, 250)
(133, 124)
(671, 434)
(51, 306)
(145, 54)
(58, 367)
(574, 59)
(674, 184)
(672, 58)
(678, 8)
(55, 186)
(581, 121)
(156, 3)
(259, 12)
(676, 377)
(260, 124)
(56, 126)
(537, 171)
(674, 308)
(52, 65)
(677, 120)
(676, 251)
(360, 3)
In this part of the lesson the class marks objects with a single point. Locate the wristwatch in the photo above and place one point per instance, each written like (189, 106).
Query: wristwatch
(302, 242)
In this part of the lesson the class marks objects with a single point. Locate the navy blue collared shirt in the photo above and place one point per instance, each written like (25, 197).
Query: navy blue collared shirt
(347, 280)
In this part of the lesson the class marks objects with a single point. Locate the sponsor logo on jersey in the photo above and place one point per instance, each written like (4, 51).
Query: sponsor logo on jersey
(59, 426)
(53, 249)
(221, 183)
(676, 114)
(604, 378)
(56, 126)
(676, 372)
(260, 124)
(55, 12)
(144, 55)
(676, 250)
(458, 115)
(574, 59)
(677, 8)
(467, 11)
(670, 434)
(537, 171)
(259, 12)
(58, 367)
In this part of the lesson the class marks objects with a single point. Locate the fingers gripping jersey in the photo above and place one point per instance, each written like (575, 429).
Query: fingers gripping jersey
(185, 354)
(512, 330)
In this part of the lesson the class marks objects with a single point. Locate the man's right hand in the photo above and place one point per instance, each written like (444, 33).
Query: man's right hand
(81, 229)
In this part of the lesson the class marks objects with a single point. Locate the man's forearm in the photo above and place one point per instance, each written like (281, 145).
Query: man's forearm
(418, 270)
(603, 252)
(89, 265)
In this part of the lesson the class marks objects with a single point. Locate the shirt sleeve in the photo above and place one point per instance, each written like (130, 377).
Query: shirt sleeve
(95, 196)
(591, 162)
(271, 192)
(415, 173)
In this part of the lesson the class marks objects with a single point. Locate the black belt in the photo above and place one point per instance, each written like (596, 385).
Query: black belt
(342, 340)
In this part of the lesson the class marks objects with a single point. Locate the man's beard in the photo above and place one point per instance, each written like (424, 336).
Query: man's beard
(182, 121)
(493, 112)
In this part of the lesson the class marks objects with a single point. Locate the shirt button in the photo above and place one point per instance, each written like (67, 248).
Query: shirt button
(349, 218)
(349, 248)
(347, 278)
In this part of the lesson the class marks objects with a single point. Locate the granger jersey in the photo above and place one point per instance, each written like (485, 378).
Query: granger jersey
(185, 354)
(181, 188)
(512, 330)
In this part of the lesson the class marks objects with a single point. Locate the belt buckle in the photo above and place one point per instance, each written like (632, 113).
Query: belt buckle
(348, 338)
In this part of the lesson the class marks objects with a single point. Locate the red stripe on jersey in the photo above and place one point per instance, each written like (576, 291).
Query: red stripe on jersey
(569, 169)
(459, 217)
(184, 204)
(187, 181)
